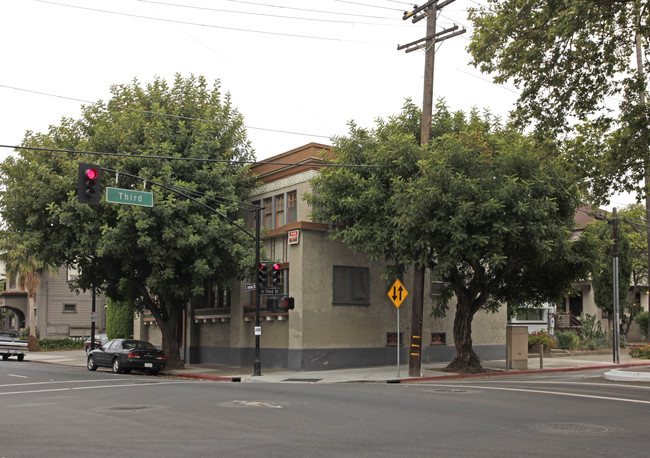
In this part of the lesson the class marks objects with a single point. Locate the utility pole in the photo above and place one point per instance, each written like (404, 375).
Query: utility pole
(428, 43)
(616, 344)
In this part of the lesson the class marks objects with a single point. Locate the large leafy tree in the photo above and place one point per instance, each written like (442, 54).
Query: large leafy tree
(487, 209)
(572, 59)
(158, 257)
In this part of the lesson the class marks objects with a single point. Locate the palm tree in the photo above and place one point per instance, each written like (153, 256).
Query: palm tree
(19, 262)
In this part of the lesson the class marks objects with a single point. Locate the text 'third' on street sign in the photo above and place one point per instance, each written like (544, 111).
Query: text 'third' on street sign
(129, 197)
(270, 291)
(397, 293)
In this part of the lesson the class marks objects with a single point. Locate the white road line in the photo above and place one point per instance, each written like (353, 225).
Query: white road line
(556, 393)
(547, 382)
(54, 382)
(16, 375)
(53, 390)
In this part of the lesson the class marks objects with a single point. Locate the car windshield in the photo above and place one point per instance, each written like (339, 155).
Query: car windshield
(137, 345)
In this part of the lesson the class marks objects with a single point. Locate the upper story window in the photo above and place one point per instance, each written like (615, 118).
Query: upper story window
(268, 213)
(351, 285)
(292, 207)
(279, 210)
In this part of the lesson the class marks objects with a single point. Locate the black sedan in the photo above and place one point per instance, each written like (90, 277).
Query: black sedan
(124, 355)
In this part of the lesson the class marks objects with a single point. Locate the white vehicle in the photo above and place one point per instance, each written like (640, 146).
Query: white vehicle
(11, 345)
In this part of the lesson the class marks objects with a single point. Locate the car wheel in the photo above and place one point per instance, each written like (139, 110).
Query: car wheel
(21, 357)
(87, 350)
(154, 372)
(5, 357)
(117, 367)
(91, 364)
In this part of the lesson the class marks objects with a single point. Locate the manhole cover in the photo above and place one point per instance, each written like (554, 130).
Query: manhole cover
(129, 408)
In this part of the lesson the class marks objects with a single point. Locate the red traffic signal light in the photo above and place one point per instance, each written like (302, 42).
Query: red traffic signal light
(276, 274)
(91, 174)
(262, 275)
(89, 184)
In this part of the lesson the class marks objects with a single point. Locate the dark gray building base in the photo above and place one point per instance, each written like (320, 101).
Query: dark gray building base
(330, 358)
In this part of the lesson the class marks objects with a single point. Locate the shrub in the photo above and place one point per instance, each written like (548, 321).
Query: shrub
(64, 343)
(642, 320)
(542, 337)
(119, 320)
(640, 351)
(567, 340)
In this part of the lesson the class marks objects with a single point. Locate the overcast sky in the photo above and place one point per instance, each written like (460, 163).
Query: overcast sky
(298, 70)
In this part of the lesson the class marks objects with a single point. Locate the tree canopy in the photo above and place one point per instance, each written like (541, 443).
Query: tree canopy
(572, 60)
(158, 257)
(487, 209)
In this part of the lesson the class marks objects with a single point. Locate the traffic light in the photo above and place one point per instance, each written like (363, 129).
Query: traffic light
(262, 275)
(89, 184)
(288, 303)
(276, 275)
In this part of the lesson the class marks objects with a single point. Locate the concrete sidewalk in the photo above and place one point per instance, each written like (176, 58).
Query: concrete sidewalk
(629, 370)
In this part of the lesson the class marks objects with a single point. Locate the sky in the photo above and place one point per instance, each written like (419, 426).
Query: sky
(297, 70)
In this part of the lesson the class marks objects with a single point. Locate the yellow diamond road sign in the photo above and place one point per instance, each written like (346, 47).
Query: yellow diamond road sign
(397, 293)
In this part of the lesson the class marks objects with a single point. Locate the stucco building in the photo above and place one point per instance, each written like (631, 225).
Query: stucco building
(342, 317)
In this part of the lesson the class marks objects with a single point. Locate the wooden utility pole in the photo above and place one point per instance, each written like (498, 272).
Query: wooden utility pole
(429, 11)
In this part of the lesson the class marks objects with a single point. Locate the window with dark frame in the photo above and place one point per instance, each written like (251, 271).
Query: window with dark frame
(351, 285)
(438, 338)
(279, 210)
(530, 314)
(69, 308)
(268, 213)
(292, 207)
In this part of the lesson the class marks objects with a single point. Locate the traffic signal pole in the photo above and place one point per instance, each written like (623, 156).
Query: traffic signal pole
(257, 363)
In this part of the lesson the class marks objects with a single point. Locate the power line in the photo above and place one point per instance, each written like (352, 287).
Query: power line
(367, 5)
(338, 21)
(306, 163)
(294, 9)
(187, 118)
(139, 16)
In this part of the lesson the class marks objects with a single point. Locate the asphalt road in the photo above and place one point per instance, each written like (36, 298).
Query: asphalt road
(56, 411)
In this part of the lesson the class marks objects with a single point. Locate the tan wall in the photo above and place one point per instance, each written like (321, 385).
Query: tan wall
(53, 293)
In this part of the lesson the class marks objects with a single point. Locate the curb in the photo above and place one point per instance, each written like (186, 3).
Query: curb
(214, 378)
(520, 372)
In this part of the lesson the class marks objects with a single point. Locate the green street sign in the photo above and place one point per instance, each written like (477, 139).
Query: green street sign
(129, 197)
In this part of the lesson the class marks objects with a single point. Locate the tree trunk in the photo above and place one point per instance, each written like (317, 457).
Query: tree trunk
(169, 330)
(466, 361)
(34, 345)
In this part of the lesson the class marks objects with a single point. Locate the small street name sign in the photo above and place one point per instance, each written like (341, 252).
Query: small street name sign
(129, 197)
